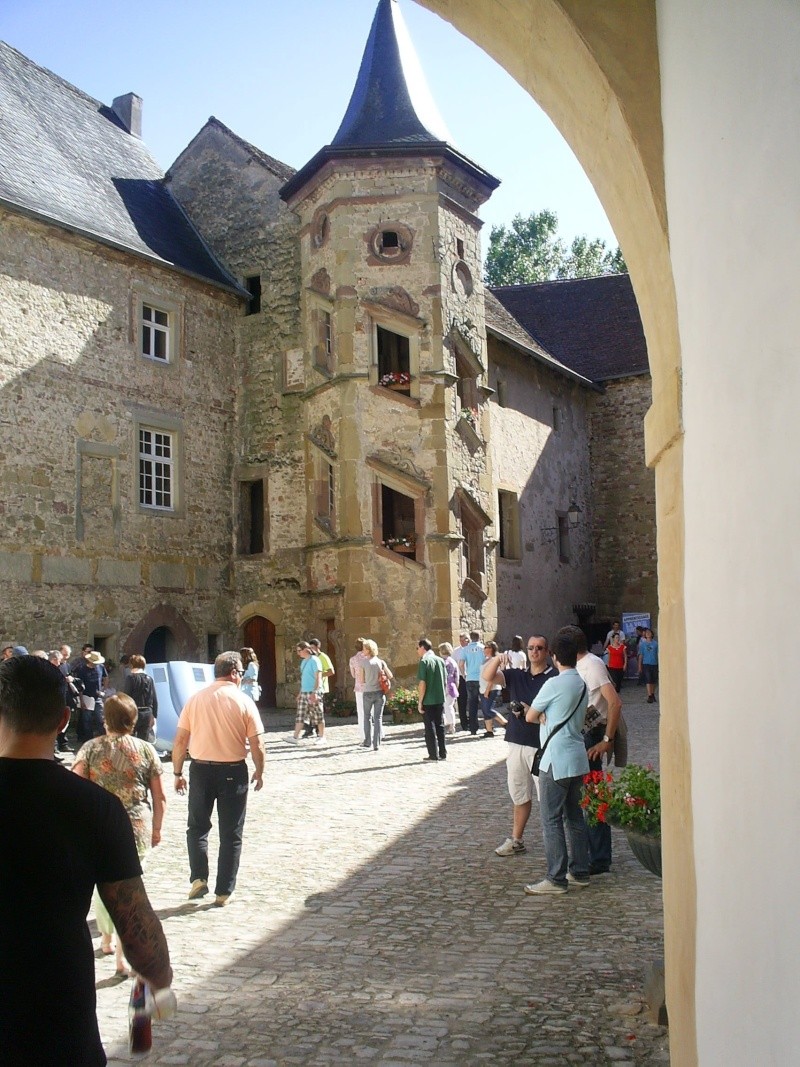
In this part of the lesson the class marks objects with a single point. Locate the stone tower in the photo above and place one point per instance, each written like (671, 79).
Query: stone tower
(393, 371)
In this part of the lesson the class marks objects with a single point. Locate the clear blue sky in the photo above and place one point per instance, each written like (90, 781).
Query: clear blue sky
(280, 75)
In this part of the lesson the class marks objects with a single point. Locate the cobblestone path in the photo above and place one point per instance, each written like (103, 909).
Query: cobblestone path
(373, 923)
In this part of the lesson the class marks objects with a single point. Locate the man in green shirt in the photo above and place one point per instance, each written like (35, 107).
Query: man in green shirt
(430, 686)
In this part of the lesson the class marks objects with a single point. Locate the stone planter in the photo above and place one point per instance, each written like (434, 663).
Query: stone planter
(400, 716)
(647, 849)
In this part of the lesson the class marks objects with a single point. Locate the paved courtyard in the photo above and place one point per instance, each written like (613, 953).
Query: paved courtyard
(372, 922)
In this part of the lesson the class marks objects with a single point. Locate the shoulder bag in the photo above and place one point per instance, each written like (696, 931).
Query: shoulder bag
(537, 759)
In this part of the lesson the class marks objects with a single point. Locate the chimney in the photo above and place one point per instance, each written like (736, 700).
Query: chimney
(128, 109)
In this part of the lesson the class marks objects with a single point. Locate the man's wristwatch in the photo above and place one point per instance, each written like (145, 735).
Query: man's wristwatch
(608, 740)
(178, 774)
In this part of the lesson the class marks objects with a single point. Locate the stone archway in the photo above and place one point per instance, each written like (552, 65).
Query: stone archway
(182, 642)
(594, 68)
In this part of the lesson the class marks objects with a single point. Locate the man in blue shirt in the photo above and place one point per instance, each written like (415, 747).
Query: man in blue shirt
(309, 699)
(560, 709)
(472, 657)
(648, 664)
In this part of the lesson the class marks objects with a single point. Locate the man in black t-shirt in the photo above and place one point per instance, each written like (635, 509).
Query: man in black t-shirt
(523, 741)
(60, 836)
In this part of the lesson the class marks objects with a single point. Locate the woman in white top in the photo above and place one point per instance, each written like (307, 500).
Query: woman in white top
(516, 658)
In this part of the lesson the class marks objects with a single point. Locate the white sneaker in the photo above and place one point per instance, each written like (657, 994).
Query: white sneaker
(510, 847)
(320, 741)
(292, 740)
(545, 888)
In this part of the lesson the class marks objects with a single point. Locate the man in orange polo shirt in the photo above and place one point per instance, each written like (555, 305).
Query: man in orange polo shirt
(217, 723)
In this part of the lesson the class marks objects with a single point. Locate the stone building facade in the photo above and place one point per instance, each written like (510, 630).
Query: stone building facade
(361, 440)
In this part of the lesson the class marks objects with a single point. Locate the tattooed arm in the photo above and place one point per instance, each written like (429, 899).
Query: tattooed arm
(139, 930)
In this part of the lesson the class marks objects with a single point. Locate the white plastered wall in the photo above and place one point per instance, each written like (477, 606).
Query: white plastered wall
(731, 109)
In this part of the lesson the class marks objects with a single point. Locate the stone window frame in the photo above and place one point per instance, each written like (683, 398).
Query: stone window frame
(323, 485)
(473, 522)
(246, 478)
(160, 422)
(509, 525)
(173, 308)
(390, 254)
(322, 333)
(404, 326)
(98, 450)
(406, 485)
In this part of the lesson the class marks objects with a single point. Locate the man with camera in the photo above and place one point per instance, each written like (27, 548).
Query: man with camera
(523, 741)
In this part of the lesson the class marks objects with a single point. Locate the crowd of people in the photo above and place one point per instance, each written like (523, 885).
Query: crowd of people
(559, 705)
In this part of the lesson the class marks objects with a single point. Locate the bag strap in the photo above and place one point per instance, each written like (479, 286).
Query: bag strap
(561, 725)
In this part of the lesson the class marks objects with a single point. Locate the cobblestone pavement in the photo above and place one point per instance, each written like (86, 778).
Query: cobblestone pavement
(373, 923)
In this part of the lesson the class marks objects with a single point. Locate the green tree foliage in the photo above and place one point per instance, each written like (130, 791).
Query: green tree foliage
(530, 250)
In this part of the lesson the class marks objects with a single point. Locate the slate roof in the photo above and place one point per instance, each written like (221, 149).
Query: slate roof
(506, 328)
(391, 110)
(67, 159)
(590, 324)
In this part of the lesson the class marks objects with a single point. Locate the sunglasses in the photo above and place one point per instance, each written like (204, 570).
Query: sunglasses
(536, 648)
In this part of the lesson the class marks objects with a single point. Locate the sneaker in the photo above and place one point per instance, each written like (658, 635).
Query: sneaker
(221, 899)
(595, 868)
(545, 888)
(488, 733)
(319, 741)
(430, 759)
(199, 889)
(510, 847)
(579, 883)
(292, 740)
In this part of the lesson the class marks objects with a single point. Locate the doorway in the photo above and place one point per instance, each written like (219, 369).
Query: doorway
(160, 646)
(259, 634)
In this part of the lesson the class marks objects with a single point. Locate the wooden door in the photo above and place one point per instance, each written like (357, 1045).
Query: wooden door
(259, 634)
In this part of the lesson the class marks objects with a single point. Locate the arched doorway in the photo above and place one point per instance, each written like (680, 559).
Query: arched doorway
(259, 634)
(160, 646)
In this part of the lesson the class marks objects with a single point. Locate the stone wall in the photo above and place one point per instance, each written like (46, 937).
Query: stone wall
(230, 191)
(623, 491)
(79, 557)
(548, 467)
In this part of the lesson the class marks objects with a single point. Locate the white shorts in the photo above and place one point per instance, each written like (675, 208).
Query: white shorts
(519, 761)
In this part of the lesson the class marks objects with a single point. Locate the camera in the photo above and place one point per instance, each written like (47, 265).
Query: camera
(516, 707)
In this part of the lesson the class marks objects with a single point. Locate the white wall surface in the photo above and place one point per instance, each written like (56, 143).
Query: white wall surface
(731, 106)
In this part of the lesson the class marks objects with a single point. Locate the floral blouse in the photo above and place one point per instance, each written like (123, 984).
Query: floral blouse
(125, 766)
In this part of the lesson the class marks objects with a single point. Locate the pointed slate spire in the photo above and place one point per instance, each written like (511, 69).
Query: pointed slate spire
(391, 111)
(391, 103)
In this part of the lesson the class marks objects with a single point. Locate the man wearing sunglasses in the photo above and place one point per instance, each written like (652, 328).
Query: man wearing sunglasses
(217, 723)
(523, 740)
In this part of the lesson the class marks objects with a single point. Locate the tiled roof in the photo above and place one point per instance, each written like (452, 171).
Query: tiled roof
(67, 159)
(590, 324)
(505, 327)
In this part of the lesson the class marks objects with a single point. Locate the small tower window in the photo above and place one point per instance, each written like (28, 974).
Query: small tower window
(459, 248)
(389, 239)
(394, 370)
(253, 284)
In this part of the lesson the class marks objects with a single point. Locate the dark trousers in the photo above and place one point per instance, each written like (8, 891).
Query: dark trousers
(617, 674)
(145, 725)
(226, 785)
(473, 699)
(433, 719)
(462, 702)
(90, 723)
(600, 835)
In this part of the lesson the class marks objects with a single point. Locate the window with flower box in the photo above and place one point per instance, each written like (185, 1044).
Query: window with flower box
(394, 360)
(398, 522)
